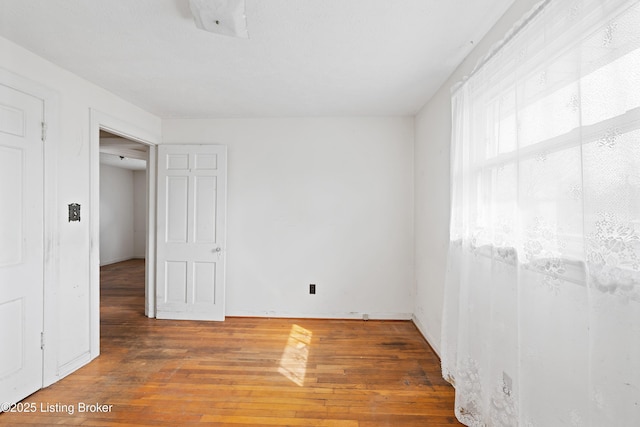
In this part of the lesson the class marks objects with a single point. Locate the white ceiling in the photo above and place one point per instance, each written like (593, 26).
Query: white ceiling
(302, 58)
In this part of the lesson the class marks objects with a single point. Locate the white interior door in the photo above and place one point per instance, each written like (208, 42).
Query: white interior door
(21, 244)
(191, 229)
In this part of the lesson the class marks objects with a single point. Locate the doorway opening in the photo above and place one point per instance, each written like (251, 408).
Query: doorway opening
(131, 142)
(123, 214)
(123, 199)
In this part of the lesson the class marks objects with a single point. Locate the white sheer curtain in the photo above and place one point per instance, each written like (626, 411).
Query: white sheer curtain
(541, 323)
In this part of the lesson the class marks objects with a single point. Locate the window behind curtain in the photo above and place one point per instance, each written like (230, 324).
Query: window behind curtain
(541, 324)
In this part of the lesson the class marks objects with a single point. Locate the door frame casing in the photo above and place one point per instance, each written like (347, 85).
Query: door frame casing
(116, 126)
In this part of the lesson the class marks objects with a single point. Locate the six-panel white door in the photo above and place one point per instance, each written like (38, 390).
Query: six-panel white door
(191, 232)
(21, 244)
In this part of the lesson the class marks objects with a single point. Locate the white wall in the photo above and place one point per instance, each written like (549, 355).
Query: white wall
(116, 214)
(432, 142)
(139, 214)
(123, 214)
(324, 201)
(68, 293)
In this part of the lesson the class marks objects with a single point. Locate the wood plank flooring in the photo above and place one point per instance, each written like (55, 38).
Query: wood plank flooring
(244, 371)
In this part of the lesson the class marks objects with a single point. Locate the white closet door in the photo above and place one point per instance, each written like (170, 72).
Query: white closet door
(21, 244)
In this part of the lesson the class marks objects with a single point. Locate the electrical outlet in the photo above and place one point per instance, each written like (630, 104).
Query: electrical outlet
(312, 289)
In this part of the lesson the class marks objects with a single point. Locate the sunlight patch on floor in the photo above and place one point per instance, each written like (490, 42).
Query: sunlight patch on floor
(293, 363)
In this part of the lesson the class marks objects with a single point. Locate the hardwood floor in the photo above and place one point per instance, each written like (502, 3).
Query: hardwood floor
(244, 371)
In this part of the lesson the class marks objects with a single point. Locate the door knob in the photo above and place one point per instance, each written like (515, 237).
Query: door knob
(218, 249)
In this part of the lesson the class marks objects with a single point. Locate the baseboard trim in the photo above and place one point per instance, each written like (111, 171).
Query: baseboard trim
(115, 261)
(426, 336)
(337, 316)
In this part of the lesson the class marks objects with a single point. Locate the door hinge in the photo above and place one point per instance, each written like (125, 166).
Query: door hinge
(41, 340)
(44, 132)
